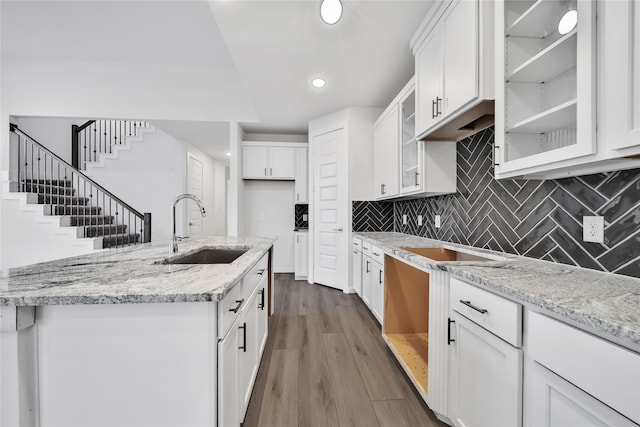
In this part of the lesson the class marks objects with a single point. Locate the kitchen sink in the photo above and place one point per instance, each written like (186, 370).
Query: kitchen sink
(445, 254)
(207, 256)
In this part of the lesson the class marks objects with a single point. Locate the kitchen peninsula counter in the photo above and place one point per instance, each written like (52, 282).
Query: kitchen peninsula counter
(131, 275)
(603, 303)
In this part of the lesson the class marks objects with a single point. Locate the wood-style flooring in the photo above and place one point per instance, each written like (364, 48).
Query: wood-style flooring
(326, 364)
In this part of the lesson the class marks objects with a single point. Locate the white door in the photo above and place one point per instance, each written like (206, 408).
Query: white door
(195, 184)
(330, 246)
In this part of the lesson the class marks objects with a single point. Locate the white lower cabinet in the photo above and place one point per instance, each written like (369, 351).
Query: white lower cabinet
(367, 275)
(228, 413)
(247, 327)
(377, 291)
(551, 401)
(301, 255)
(486, 378)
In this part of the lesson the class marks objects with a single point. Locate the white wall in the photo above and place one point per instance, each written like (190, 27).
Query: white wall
(269, 212)
(52, 132)
(153, 173)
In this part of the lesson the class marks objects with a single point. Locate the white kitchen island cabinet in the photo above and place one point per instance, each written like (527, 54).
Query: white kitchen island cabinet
(156, 349)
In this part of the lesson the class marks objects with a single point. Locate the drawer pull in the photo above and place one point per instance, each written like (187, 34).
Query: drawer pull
(261, 271)
(243, 347)
(380, 277)
(376, 254)
(261, 292)
(468, 304)
(237, 307)
(449, 339)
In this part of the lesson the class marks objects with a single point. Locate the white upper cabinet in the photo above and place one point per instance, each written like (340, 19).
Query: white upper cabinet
(302, 175)
(385, 140)
(618, 75)
(454, 61)
(546, 104)
(268, 160)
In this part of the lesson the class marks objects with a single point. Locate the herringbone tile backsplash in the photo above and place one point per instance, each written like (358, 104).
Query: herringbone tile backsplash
(372, 216)
(538, 219)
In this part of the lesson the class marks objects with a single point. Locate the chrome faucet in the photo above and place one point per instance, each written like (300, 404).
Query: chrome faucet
(173, 245)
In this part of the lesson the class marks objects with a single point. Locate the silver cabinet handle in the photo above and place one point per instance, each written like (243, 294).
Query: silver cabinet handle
(298, 197)
(480, 310)
(367, 270)
(337, 229)
(417, 175)
(261, 272)
(495, 155)
(271, 171)
(297, 239)
(265, 171)
(438, 100)
(380, 277)
(243, 347)
(261, 305)
(449, 339)
(376, 254)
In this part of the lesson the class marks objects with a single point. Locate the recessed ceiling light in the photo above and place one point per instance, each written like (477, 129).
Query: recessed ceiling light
(568, 22)
(228, 153)
(318, 82)
(331, 11)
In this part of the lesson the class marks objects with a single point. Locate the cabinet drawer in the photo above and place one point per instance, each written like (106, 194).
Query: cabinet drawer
(366, 248)
(496, 314)
(602, 369)
(357, 244)
(229, 308)
(252, 278)
(377, 254)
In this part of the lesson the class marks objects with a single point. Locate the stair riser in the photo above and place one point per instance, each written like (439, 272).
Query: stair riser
(104, 231)
(126, 239)
(75, 210)
(42, 189)
(62, 200)
(87, 220)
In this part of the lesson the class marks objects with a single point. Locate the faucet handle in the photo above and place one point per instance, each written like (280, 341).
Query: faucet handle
(181, 238)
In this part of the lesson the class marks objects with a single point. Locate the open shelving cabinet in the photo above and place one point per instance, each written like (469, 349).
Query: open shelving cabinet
(547, 81)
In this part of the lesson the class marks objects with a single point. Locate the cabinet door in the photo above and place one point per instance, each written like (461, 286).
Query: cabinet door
(262, 316)
(386, 151)
(301, 255)
(228, 408)
(429, 82)
(357, 271)
(460, 55)
(619, 74)
(247, 353)
(254, 162)
(367, 276)
(302, 176)
(377, 291)
(486, 378)
(282, 162)
(551, 401)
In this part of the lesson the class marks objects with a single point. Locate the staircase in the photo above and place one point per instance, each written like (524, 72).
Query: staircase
(62, 191)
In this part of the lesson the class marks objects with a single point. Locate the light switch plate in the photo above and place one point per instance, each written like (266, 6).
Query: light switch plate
(404, 219)
(593, 229)
(436, 221)
(305, 217)
(419, 220)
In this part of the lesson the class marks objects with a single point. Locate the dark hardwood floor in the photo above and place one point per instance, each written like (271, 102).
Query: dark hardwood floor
(326, 364)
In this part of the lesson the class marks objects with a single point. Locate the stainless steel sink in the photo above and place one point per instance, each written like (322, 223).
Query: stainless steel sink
(207, 256)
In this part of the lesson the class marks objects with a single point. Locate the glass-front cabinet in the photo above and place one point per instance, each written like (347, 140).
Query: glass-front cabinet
(410, 146)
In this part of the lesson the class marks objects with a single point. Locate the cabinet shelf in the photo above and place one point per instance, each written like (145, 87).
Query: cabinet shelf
(561, 116)
(410, 117)
(539, 20)
(556, 59)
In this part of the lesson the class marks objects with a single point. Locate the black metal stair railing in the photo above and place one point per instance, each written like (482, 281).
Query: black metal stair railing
(52, 181)
(96, 137)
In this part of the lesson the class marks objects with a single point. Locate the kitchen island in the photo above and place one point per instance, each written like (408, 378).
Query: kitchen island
(124, 338)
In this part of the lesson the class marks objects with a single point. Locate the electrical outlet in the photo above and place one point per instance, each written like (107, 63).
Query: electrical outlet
(305, 217)
(436, 221)
(419, 220)
(593, 229)
(404, 219)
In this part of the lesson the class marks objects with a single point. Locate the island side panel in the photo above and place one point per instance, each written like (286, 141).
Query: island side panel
(129, 364)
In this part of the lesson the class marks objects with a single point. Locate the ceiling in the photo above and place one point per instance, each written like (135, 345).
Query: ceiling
(274, 47)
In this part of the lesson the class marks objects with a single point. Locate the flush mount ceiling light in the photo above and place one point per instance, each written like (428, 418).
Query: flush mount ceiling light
(331, 11)
(568, 21)
(228, 153)
(318, 83)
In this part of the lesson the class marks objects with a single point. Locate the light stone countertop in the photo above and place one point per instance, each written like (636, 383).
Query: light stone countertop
(130, 275)
(605, 304)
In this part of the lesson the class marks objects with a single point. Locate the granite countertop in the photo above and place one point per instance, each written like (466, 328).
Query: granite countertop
(603, 303)
(130, 275)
